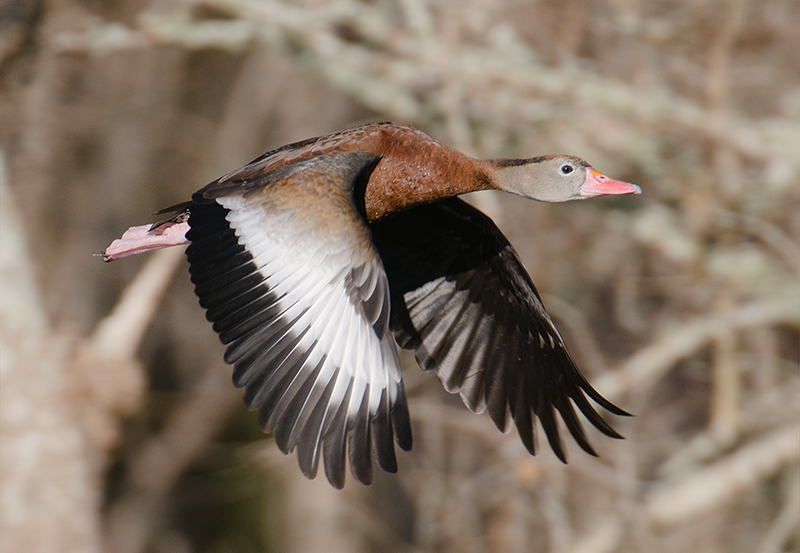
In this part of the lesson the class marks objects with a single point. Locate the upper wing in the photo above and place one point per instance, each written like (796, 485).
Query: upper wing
(463, 301)
(288, 275)
(262, 170)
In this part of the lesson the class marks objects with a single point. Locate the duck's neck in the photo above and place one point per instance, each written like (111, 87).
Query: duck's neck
(416, 170)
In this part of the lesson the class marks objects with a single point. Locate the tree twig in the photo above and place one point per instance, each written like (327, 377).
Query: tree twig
(386, 79)
(704, 489)
(651, 362)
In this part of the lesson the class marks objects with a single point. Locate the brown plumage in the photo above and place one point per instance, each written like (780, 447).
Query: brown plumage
(313, 259)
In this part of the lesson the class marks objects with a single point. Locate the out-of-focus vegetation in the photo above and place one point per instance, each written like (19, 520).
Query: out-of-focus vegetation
(682, 305)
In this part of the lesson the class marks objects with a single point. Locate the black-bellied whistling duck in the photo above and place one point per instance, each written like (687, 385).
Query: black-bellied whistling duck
(310, 259)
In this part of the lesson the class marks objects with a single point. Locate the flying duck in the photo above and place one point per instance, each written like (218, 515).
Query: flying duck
(316, 258)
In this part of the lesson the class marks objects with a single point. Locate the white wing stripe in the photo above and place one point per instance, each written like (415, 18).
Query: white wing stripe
(303, 305)
(311, 295)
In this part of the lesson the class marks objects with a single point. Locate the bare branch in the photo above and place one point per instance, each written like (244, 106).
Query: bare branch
(651, 362)
(385, 80)
(707, 488)
(120, 333)
(132, 519)
(49, 494)
(787, 521)
(61, 400)
(21, 307)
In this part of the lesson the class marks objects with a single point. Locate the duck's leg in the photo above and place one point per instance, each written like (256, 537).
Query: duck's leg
(147, 238)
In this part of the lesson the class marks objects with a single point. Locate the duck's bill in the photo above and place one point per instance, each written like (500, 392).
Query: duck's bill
(597, 184)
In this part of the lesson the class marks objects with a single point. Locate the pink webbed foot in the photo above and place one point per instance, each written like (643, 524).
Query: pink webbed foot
(146, 238)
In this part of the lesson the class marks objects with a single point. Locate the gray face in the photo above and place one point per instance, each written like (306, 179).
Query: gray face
(548, 179)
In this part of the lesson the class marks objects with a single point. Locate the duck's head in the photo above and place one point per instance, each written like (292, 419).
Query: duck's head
(555, 179)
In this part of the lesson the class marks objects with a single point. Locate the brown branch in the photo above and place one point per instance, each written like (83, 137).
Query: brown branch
(132, 519)
(786, 523)
(716, 86)
(106, 379)
(48, 483)
(61, 400)
(726, 379)
(603, 537)
(772, 236)
(119, 335)
(654, 360)
(758, 416)
(707, 488)
(21, 308)
(386, 78)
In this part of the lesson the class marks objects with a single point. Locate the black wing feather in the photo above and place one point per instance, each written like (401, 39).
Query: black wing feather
(453, 275)
(285, 355)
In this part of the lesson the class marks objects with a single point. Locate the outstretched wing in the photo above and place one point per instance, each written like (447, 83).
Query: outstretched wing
(463, 301)
(290, 278)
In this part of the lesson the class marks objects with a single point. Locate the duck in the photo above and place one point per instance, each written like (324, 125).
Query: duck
(316, 260)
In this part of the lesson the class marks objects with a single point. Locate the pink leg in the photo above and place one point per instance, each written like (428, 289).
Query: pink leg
(144, 238)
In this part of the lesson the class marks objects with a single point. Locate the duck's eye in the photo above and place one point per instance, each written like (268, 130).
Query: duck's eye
(566, 169)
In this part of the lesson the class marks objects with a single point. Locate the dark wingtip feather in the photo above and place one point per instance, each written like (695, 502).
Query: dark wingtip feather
(334, 443)
(548, 420)
(593, 416)
(574, 426)
(359, 443)
(588, 389)
(308, 445)
(523, 419)
(401, 420)
(603, 402)
(433, 254)
(383, 434)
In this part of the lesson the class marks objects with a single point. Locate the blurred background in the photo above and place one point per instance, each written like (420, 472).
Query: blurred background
(120, 430)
